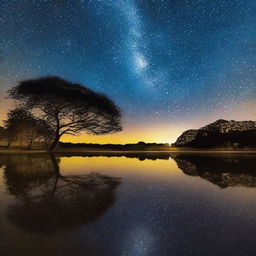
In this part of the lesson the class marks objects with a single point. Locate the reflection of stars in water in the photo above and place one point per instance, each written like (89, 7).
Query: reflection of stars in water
(140, 242)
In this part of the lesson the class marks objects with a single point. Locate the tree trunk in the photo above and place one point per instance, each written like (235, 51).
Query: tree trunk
(8, 144)
(54, 144)
(30, 143)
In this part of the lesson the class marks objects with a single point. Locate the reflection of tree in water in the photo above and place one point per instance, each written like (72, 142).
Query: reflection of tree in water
(222, 170)
(48, 201)
(23, 173)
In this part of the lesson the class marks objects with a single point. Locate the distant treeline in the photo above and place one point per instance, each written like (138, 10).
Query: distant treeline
(140, 146)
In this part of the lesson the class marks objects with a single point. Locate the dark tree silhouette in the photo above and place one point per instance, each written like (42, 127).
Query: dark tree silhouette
(3, 133)
(69, 108)
(23, 126)
(18, 125)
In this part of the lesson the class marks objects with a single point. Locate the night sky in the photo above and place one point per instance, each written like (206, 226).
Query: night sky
(169, 64)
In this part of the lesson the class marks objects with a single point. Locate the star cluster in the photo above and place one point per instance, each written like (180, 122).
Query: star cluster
(157, 59)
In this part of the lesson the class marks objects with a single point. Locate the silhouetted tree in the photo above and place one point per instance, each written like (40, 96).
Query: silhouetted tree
(3, 133)
(22, 125)
(69, 108)
(17, 121)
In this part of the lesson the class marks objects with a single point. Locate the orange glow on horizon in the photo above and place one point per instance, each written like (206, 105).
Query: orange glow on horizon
(155, 131)
(160, 133)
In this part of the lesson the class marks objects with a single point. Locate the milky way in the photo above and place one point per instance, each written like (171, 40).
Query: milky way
(165, 60)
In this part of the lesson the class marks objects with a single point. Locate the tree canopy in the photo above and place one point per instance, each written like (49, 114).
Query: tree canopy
(67, 107)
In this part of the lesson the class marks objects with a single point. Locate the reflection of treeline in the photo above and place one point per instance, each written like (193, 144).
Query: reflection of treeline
(48, 201)
(139, 155)
(140, 146)
(222, 170)
(22, 172)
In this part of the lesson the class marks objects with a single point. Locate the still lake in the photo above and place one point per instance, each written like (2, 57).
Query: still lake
(133, 205)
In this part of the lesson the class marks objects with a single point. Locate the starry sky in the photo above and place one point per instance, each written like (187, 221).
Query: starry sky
(170, 65)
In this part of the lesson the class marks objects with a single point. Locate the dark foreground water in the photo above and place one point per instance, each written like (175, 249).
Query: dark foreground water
(129, 206)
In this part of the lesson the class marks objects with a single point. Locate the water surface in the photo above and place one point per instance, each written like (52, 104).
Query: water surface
(128, 205)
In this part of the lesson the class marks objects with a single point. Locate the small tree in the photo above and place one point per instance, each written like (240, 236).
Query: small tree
(3, 133)
(67, 107)
(22, 125)
(16, 124)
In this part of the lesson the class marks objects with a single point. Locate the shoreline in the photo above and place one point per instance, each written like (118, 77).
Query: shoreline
(119, 152)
